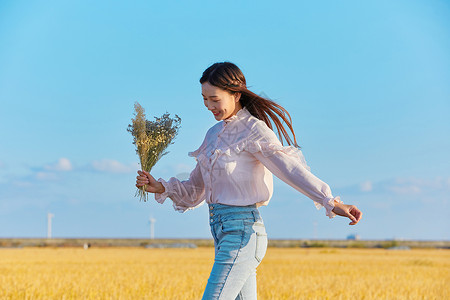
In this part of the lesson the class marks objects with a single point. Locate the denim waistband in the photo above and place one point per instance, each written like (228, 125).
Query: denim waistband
(221, 212)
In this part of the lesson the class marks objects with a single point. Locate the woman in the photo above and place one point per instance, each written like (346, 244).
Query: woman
(234, 176)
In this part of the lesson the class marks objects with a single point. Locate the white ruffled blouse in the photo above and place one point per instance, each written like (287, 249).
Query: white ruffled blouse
(235, 164)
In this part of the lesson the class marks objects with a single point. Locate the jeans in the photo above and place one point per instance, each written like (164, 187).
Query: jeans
(240, 242)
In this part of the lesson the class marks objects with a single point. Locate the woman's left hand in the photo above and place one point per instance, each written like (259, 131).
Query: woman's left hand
(349, 211)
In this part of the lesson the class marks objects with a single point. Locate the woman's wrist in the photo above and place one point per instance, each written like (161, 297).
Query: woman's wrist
(161, 188)
(336, 204)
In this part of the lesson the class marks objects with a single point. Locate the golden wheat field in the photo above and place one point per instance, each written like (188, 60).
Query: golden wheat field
(285, 273)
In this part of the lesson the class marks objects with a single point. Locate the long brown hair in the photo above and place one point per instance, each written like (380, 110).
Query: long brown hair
(229, 77)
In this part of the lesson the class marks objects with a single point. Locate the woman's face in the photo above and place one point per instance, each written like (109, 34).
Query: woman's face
(220, 102)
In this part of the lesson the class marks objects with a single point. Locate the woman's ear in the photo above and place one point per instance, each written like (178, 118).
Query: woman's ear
(237, 97)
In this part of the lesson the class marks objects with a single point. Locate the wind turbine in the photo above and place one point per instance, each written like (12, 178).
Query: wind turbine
(49, 225)
(152, 227)
(315, 230)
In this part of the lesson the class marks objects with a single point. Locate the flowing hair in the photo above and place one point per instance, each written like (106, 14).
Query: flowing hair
(229, 77)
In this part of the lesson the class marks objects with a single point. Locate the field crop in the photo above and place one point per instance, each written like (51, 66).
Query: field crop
(285, 273)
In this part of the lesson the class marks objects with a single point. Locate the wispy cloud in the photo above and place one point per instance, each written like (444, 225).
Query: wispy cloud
(366, 186)
(46, 176)
(415, 186)
(412, 186)
(112, 166)
(62, 165)
(52, 171)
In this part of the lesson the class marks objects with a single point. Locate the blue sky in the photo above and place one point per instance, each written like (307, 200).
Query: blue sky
(366, 83)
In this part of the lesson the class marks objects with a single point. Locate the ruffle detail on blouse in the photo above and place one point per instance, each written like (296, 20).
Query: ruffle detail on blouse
(197, 152)
(194, 153)
(328, 203)
(199, 155)
(267, 149)
(161, 197)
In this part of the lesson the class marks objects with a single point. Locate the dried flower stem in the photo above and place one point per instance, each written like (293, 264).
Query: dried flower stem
(151, 139)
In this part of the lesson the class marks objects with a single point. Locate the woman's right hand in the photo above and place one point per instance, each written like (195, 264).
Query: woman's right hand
(151, 185)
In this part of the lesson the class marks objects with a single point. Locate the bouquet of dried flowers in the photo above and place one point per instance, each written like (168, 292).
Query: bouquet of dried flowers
(151, 139)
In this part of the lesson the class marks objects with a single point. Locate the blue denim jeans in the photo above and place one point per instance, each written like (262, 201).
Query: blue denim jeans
(240, 242)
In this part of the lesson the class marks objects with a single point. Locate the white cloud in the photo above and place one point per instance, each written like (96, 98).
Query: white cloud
(46, 176)
(63, 164)
(111, 166)
(411, 186)
(366, 186)
(407, 189)
(22, 184)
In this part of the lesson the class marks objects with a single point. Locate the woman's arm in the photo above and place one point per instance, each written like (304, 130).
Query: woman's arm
(288, 164)
(186, 194)
(289, 169)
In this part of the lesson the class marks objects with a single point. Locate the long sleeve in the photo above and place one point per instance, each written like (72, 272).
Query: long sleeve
(235, 164)
(292, 172)
(288, 164)
(186, 194)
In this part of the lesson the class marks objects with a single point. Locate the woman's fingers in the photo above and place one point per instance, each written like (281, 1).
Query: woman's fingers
(349, 211)
(355, 215)
(142, 179)
(145, 179)
(147, 174)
